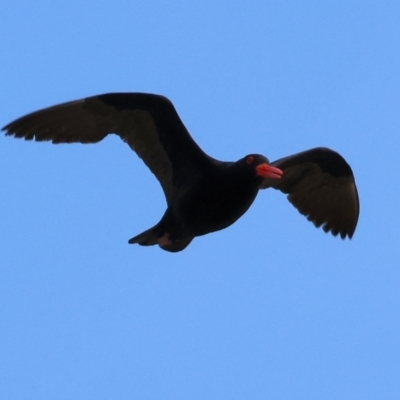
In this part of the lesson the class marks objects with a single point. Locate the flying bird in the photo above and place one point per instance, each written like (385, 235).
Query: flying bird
(203, 194)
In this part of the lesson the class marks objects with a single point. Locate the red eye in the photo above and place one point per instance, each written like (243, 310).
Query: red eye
(249, 159)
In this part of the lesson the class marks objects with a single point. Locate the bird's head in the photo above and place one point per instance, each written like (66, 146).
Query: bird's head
(257, 166)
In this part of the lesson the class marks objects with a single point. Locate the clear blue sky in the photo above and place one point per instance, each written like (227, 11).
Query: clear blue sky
(270, 308)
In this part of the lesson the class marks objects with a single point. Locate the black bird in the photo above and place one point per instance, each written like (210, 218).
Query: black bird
(203, 194)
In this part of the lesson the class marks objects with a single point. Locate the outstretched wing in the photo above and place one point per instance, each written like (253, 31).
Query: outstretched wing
(320, 184)
(148, 123)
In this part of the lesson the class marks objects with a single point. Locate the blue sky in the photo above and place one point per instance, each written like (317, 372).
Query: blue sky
(270, 308)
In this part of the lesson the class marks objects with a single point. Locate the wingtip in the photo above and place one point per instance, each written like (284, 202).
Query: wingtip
(6, 129)
(343, 231)
(344, 234)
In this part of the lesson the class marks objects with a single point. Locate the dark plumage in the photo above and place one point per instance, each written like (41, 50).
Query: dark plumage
(203, 194)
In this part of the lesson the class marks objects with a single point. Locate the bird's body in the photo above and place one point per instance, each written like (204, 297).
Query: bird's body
(203, 194)
(210, 203)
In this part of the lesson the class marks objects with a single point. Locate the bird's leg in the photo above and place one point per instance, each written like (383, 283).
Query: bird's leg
(164, 240)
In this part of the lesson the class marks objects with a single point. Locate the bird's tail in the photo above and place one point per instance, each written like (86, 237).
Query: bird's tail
(146, 238)
(152, 237)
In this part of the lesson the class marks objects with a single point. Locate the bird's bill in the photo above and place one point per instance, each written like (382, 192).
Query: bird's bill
(268, 171)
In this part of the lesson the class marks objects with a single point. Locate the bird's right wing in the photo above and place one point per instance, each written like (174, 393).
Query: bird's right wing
(148, 123)
(321, 185)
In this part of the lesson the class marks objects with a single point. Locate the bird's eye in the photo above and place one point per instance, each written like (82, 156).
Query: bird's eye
(249, 159)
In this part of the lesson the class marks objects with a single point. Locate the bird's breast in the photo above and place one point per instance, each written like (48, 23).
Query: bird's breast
(211, 206)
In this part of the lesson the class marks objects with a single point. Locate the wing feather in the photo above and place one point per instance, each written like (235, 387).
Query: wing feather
(321, 185)
(148, 123)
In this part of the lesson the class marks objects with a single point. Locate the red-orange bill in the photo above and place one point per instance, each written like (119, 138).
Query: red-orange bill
(268, 171)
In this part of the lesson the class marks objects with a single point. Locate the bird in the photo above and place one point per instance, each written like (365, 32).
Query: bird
(203, 194)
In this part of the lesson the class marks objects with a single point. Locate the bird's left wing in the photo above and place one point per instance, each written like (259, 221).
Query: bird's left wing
(148, 123)
(321, 185)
